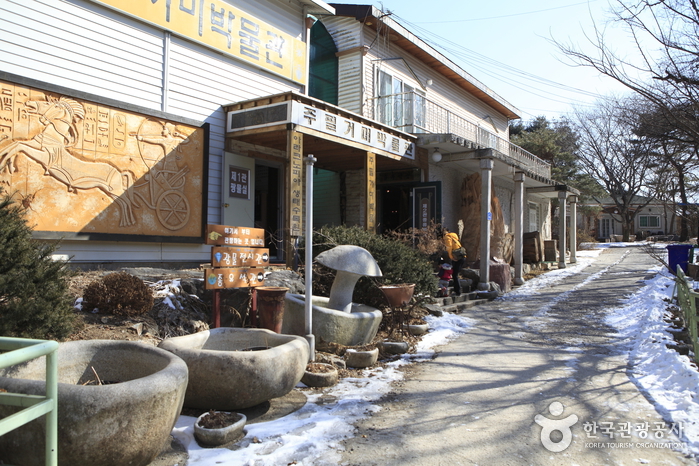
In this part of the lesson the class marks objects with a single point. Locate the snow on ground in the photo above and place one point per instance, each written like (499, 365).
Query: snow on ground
(311, 435)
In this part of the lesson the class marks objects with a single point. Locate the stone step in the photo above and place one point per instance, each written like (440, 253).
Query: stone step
(444, 301)
(460, 307)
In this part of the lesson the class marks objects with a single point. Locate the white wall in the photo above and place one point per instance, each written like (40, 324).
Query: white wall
(83, 46)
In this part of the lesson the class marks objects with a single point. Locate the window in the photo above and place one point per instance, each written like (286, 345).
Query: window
(399, 104)
(323, 65)
(649, 221)
(533, 217)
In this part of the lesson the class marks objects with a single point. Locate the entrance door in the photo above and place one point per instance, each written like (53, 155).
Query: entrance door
(268, 205)
(605, 228)
(411, 205)
(252, 197)
(238, 190)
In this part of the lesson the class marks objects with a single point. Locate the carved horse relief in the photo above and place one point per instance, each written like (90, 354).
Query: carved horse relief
(160, 145)
(50, 149)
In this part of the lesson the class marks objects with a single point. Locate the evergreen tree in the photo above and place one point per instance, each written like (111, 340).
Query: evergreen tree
(34, 299)
(559, 144)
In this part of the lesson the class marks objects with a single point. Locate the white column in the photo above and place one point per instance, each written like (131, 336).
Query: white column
(486, 217)
(519, 227)
(308, 310)
(562, 229)
(573, 228)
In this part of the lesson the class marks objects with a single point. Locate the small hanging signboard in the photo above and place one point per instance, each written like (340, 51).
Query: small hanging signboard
(233, 266)
(237, 261)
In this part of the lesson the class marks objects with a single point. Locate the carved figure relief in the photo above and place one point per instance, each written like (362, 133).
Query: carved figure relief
(121, 172)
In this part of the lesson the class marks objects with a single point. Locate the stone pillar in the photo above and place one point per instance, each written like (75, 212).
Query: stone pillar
(486, 216)
(519, 227)
(370, 210)
(573, 228)
(562, 229)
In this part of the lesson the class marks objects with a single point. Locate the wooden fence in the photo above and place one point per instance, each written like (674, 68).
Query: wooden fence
(687, 300)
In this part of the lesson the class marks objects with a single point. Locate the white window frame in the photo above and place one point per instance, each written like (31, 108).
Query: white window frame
(398, 104)
(648, 225)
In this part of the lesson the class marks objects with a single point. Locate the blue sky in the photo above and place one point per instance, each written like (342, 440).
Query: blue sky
(506, 45)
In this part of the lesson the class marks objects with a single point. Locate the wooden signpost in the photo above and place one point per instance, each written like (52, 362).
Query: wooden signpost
(237, 261)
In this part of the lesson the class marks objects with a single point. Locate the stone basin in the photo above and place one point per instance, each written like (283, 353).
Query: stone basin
(355, 328)
(236, 368)
(127, 420)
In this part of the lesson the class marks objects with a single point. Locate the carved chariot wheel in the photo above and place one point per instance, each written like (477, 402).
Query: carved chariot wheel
(172, 209)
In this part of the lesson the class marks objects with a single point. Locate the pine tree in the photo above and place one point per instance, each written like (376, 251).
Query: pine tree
(34, 299)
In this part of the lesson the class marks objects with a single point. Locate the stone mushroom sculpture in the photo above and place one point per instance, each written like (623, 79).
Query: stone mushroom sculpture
(351, 263)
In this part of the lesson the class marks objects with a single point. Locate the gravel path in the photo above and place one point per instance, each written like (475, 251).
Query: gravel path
(548, 354)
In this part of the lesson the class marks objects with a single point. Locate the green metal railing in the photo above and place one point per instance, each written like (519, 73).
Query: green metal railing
(20, 350)
(687, 300)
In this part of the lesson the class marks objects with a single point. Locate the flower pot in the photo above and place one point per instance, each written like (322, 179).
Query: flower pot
(316, 378)
(217, 436)
(417, 329)
(270, 307)
(361, 359)
(398, 295)
(394, 347)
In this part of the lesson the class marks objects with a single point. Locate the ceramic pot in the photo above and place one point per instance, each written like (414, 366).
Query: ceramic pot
(270, 307)
(398, 295)
(221, 435)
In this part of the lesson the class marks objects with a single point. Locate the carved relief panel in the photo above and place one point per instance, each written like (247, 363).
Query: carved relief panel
(83, 167)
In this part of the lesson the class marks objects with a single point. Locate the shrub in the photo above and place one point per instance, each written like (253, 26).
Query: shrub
(118, 293)
(399, 263)
(584, 240)
(34, 297)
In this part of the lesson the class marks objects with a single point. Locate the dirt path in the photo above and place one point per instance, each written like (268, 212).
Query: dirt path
(476, 402)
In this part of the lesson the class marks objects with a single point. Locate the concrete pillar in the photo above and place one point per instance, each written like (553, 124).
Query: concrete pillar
(562, 229)
(573, 228)
(486, 217)
(519, 228)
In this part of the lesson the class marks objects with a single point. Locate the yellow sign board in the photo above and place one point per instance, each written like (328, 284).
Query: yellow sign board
(221, 26)
(217, 279)
(239, 257)
(235, 236)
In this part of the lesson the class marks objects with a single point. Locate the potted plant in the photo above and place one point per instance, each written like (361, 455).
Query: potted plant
(320, 374)
(216, 428)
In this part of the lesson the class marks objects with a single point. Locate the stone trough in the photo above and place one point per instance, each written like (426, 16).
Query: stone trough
(236, 368)
(336, 318)
(355, 328)
(126, 420)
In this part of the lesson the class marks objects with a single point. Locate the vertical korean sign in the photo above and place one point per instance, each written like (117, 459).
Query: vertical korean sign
(370, 191)
(295, 182)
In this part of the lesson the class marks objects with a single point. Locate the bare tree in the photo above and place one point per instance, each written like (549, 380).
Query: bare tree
(616, 158)
(663, 69)
(678, 156)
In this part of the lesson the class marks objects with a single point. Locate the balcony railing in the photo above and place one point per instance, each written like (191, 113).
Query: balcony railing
(413, 113)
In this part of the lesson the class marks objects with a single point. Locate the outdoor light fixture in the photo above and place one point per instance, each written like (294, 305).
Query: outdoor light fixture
(436, 155)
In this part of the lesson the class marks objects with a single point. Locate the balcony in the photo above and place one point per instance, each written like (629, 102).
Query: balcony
(413, 113)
